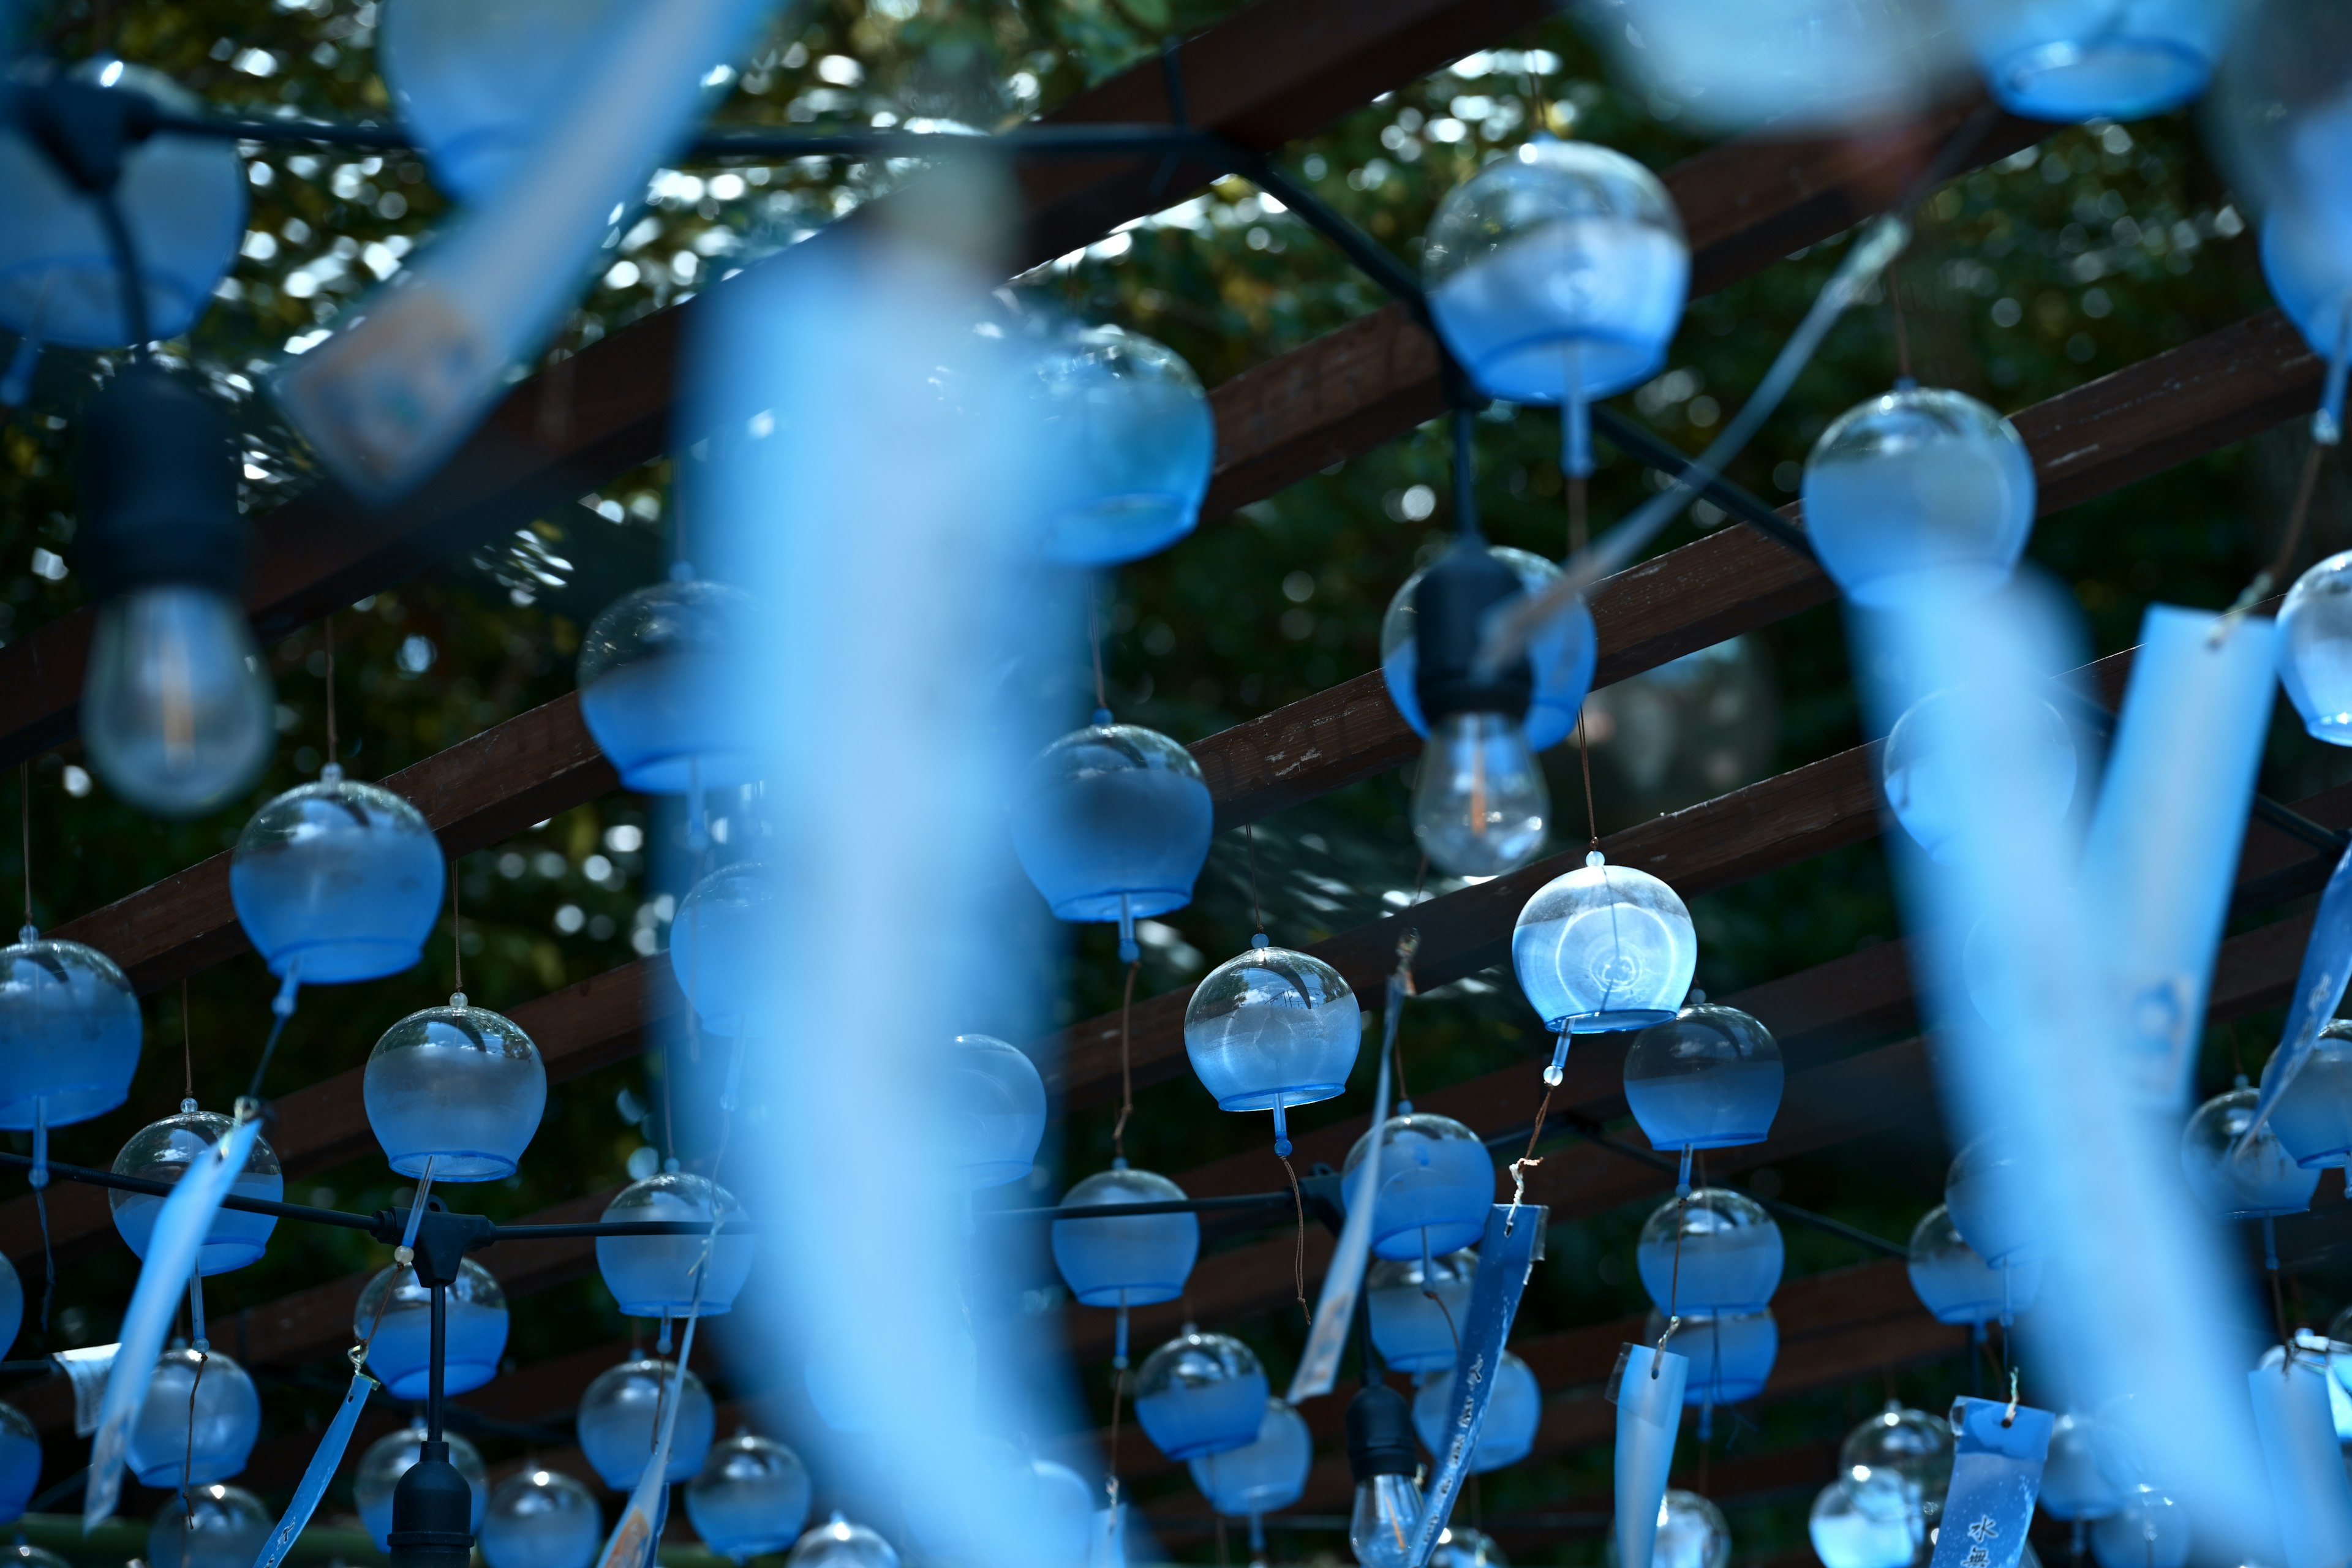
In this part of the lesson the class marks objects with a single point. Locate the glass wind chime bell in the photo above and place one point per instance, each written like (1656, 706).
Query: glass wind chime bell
(454, 1093)
(750, 1496)
(618, 1414)
(1112, 823)
(1991, 1203)
(73, 1029)
(1924, 780)
(1271, 1029)
(337, 882)
(1601, 949)
(660, 683)
(2315, 650)
(1897, 1464)
(1715, 1252)
(722, 943)
(1730, 1355)
(1843, 1536)
(1437, 1182)
(194, 1428)
(1708, 1077)
(2237, 1178)
(1692, 1533)
(1415, 1309)
(391, 1457)
(398, 1313)
(541, 1519)
(1125, 1260)
(20, 1463)
(655, 1276)
(2055, 60)
(162, 1151)
(1513, 1411)
(1957, 1286)
(1561, 653)
(1132, 445)
(2312, 1116)
(997, 1109)
(1263, 1476)
(838, 1544)
(214, 1527)
(1200, 1395)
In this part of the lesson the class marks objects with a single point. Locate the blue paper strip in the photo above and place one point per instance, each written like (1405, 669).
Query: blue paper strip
(1335, 1305)
(2318, 990)
(1996, 1476)
(323, 1463)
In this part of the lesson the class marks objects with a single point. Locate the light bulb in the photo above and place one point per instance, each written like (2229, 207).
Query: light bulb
(1480, 801)
(176, 710)
(1385, 1522)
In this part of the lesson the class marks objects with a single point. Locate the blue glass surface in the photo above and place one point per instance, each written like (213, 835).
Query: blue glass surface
(1200, 1395)
(1272, 1028)
(541, 1519)
(339, 881)
(615, 1424)
(1064, 1535)
(161, 1152)
(1730, 1254)
(1113, 820)
(1413, 1333)
(226, 1418)
(1604, 947)
(1991, 1200)
(12, 1303)
(459, 1085)
(1843, 1536)
(751, 1496)
(1800, 65)
(997, 1109)
(2073, 1485)
(1926, 782)
(660, 687)
(2150, 1531)
(1437, 1184)
(721, 943)
(2072, 60)
(2312, 1118)
(1129, 1260)
(2259, 1181)
(1897, 1463)
(653, 1276)
(1132, 445)
(2316, 648)
(1562, 653)
(392, 1455)
(71, 1027)
(1264, 1475)
(1957, 1286)
(1512, 1412)
(20, 1463)
(215, 1527)
(399, 1312)
(1709, 1078)
(1730, 1353)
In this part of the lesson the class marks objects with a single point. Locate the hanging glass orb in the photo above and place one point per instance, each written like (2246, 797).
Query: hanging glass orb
(1731, 1254)
(1200, 1395)
(1513, 1411)
(1801, 65)
(2315, 630)
(1413, 1333)
(837, 1543)
(1692, 1534)
(1991, 1201)
(2072, 1487)
(459, 1087)
(71, 1026)
(400, 1312)
(1920, 490)
(182, 197)
(1437, 1184)
(1112, 823)
(1270, 1029)
(2150, 1531)
(660, 688)
(162, 1151)
(2261, 1183)
(1127, 1260)
(653, 1276)
(1897, 1464)
(1604, 947)
(1063, 1533)
(998, 1110)
(337, 882)
(390, 1457)
(20, 1462)
(1845, 1537)
(1265, 1475)
(722, 944)
(1730, 1355)
(1562, 653)
(615, 1424)
(225, 1414)
(214, 1527)
(541, 1519)
(2055, 59)
(1924, 767)
(750, 1496)
(1957, 1286)
(2312, 1118)
(1708, 1077)
(1132, 443)
(1459, 1546)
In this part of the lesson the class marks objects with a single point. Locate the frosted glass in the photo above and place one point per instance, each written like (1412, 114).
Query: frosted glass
(660, 678)
(1272, 1028)
(1561, 653)
(1957, 1286)
(1730, 1355)
(391, 1457)
(1413, 1333)
(1926, 780)
(1265, 1474)
(2072, 1487)
(1130, 1261)
(1730, 1255)
(723, 941)
(2313, 1119)
(1897, 1464)
(1200, 1395)
(1991, 1201)
(653, 1275)
(2316, 648)
(541, 1519)
(1845, 1537)
(215, 1527)
(1709, 1078)
(2073, 60)
(460, 1086)
(750, 1496)
(474, 1322)
(838, 1544)
(2260, 1182)
(615, 1424)
(1604, 947)
(227, 1419)
(1692, 1534)
(161, 1152)
(1112, 820)
(1132, 444)
(339, 879)
(1513, 1410)
(1437, 1185)
(996, 1109)
(71, 1027)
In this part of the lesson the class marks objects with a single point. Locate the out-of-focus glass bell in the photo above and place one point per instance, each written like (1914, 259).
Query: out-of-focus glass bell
(1692, 1533)
(2259, 1182)
(750, 1497)
(1437, 1184)
(996, 1110)
(2316, 648)
(1265, 1475)
(1730, 1353)
(1414, 1334)
(1562, 653)
(615, 1424)
(162, 1151)
(1708, 1077)
(194, 1429)
(1126, 1260)
(837, 1543)
(1843, 1536)
(1459, 1546)
(72, 1026)
(541, 1519)
(2072, 1487)
(1730, 1254)
(337, 882)
(459, 1088)
(215, 1527)
(1957, 1286)
(390, 1457)
(1513, 1411)
(1992, 1203)
(661, 688)
(653, 1276)
(1924, 784)
(722, 946)
(2150, 1531)
(1112, 823)
(1897, 1464)
(398, 1312)
(1200, 1395)
(1271, 1029)
(1132, 444)
(2055, 60)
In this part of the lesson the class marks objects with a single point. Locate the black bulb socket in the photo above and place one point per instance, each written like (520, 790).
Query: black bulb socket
(431, 1513)
(159, 472)
(1380, 1434)
(1450, 609)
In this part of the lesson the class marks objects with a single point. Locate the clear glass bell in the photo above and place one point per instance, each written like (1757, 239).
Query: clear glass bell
(997, 1111)
(1957, 1286)
(460, 1087)
(1459, 1546)
(1730, 1254)
(1692, 1533)
(2053, 59)
(1437, 1184)
(837, 1543)
(20, 1463)
(660, 687)
(162, 1151)
(1126, 1260)
(1990, 1197)
(2261, 1181)
(1200, 1393)
(2072, 1487)
(1414, 1334)
(1513, 1411)
(750, 1496)
(194, 1429)
(653, 1276)
(1897, 1464)
(1923, 786)
(2150, 1531)
(541, 1519)
(337, 882)
(1730, 1353)
(1921, 490)
(1802, 66)
(1270, 1029)
(2316, 648)
(390, 1457)
(397, 1313)
(73, 1029)
(723, 944)
(214, 1527)
(1264, 1475)
(615, 1424)
(1562, 653)
(1604, 947)
(1112, 823)
(1708, 1077)
(1843, 1536)
(1131, 442)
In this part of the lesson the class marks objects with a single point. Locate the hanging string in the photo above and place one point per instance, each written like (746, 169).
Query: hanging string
(187, 1042)
(1094, 641)
(40, 1178)
(1299, 1254)
(1584, 755)
(1249, 841)
(457, 936)
(25, 811)
(1117, 1391)
(1125, 1079)
(329, 625)
(2270, 576)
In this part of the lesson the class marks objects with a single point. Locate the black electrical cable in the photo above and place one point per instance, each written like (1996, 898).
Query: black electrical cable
(95, 1178)
(129, 280)
(1652, 453)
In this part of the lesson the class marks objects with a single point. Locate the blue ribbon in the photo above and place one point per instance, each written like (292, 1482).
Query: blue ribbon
(323, 1463)
(2326, 965)
(1996, 1476)
(1343, 1283)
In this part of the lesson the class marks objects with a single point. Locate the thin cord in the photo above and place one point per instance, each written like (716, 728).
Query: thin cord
(1584, 755)
(1902, 338)
(188, 1042)
(24, 810)
(1298, 1255)
(457, 936)
(1118, 1389)
(1576, 526)
(1125, 1079)
(1249, 838)
(329, 624)
(1094, 641)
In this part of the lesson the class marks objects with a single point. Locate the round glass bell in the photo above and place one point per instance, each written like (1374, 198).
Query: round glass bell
(398, 1313)
(1112, 823)
(1127, 1260)
(660, 687)
(997, 1111)
(337, 882)
(2260, 1182)
(2312, 1118)
(2150, 1531)
(1991, 1201)
(2315, 635)
(1957, 1286)
(1270, 1029)
(1265, 1475)
(1918, 490)
(1414, 1334)
(615, 1424)
(541, 1519)
(1897, 1464)
(1513, 1411)
(1437, 1184)
(750, 1496)
(1845, 1537)
(1730, 1254)
(1459, 1546)
(2311, 278)
(1132, 443)
(1200, 1395)
(162, 1151)
(1708, 1077)
(1730, 1355)
(1562, 653)
(214, 1527)
(1923, 786)
(389, 1457)
(72, 1025)
(837, 1543)
(653, 1276)
(20, 1463)
(458, 1088)
(1804, 65)
(1603, 948)
(193, 1429)
(723, 943)
(2055, 60)
(1692, 1533)
(2073, 1487)
(182, 197)
(1063, 1533)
